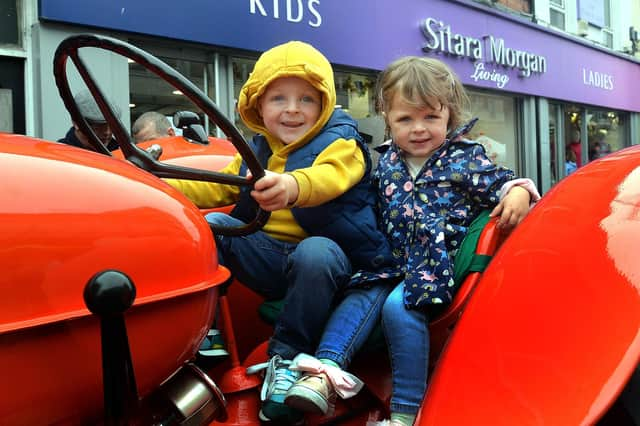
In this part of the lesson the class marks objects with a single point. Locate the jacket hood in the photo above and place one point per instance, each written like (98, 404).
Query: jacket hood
(292, 59)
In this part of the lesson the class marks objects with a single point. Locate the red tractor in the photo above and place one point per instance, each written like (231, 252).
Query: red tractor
(111, 282)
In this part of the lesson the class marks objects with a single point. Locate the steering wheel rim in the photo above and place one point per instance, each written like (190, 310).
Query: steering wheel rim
(69, 48)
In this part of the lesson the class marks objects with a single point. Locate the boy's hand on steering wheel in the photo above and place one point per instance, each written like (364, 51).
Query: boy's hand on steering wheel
(275, 191)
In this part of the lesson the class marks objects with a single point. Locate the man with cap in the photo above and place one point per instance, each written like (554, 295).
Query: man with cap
(91, 112)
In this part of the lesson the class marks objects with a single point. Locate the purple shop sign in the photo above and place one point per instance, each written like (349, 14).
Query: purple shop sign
(486, 49)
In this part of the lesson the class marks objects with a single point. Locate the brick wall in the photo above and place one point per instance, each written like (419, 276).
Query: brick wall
(517, 5)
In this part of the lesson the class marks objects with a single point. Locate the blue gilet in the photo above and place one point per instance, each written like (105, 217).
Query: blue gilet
(350, 219)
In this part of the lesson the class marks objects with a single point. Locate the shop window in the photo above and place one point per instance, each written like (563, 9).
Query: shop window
(242, 67)
(12, 117)
(606, 132)
(9, 28)
(148, 92)
(556, 155)
(496, 127)
(355, 93)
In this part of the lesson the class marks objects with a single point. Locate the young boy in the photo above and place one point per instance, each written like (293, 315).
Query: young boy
(318, 188)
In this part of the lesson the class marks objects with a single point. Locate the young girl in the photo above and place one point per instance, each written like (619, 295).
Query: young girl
(431, 185)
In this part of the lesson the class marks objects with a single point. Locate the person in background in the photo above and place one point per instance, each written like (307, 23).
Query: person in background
(151, 125)
(570, 165)
(91, 112)
(431, 184)
(575, 145)
(318, 189)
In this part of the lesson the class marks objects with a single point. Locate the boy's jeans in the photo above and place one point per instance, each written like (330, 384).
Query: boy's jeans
(406, 332)
(307, 275)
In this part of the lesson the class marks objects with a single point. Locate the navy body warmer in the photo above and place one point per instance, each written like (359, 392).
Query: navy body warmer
(350, 219)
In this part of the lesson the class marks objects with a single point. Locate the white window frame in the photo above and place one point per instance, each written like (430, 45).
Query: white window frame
(559, 7)
(607, 31)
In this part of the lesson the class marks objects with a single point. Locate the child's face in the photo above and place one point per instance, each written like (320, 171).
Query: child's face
(417, 131)
(289, 107)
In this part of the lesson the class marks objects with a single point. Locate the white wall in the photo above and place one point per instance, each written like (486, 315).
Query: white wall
(110, 71)
(624, 14)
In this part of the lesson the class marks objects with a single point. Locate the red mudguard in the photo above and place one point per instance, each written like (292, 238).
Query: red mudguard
(551, 334)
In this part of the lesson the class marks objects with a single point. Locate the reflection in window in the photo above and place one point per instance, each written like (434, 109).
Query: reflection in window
(496, 127)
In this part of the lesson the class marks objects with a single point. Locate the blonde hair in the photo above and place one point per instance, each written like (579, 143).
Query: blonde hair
(422, 82)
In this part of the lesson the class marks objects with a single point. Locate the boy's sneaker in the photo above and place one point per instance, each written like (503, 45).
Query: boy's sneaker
(277, 381)
(385, 423)
(312, 393)
(213, 345)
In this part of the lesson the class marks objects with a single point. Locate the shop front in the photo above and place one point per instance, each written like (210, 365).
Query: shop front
(533, 89)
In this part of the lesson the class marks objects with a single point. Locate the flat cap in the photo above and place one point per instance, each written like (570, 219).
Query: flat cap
(89, 108)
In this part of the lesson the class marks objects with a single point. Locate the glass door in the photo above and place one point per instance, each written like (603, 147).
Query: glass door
(579, 135)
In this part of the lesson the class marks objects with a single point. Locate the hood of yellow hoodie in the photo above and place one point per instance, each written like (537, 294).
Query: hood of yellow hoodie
(292, 59)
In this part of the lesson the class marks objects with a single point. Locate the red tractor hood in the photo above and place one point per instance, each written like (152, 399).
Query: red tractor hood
(65, 215)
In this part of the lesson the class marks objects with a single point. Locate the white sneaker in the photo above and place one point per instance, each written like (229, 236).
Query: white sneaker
(384, 423)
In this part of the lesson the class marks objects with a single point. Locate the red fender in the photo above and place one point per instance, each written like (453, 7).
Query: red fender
(551, 334)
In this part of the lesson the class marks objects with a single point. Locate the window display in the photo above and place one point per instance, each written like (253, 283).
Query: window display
(150, 93)
(496, 127)
(606, 132)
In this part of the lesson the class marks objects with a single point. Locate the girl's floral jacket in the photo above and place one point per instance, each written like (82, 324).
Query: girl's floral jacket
(426, 218)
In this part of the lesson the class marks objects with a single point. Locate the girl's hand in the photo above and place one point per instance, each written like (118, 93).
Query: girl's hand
(275, 191)
(512, 208)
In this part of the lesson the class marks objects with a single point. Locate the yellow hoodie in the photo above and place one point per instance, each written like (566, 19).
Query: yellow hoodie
(338, 168)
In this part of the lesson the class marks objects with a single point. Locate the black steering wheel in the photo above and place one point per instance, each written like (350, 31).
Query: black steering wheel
(69, 48)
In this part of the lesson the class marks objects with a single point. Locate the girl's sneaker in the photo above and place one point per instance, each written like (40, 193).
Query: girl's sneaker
(313, 393)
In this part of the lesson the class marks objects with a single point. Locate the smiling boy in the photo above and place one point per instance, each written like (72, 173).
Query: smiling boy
(318, 188)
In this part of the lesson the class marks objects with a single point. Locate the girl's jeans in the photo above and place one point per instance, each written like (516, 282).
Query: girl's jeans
(406, 332)
(307, 275)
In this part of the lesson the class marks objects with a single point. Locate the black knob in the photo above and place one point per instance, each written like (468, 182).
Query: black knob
(109, 292)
